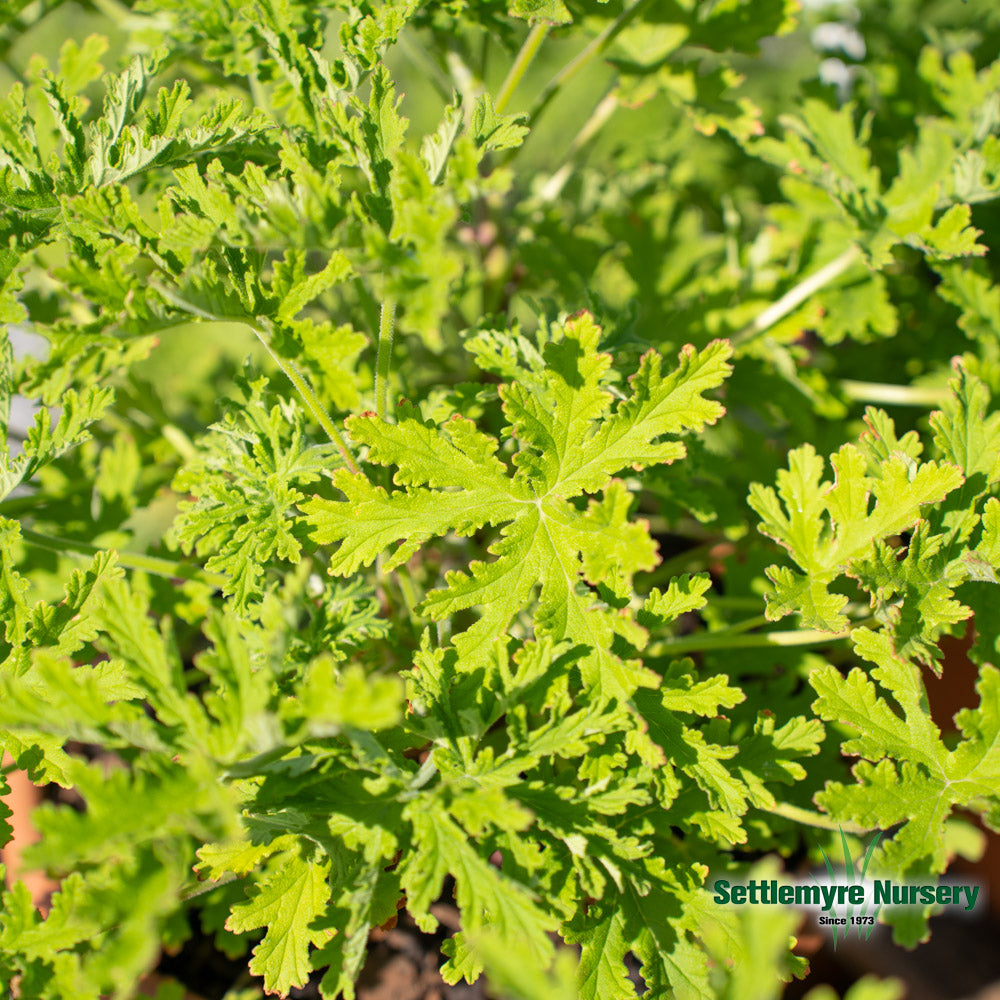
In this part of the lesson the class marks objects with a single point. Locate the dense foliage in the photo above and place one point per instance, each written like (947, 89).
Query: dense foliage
(424, 389)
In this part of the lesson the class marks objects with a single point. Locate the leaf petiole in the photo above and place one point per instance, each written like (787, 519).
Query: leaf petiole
(130, 560)
(894, 395)
(519, 66)
(598, 118)
(383, 364)
(809, 817)
(796, 295)
(735, 639)
(294, 376)
(596, 46)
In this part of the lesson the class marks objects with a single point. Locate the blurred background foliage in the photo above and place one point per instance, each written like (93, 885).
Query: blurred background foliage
(675, 168)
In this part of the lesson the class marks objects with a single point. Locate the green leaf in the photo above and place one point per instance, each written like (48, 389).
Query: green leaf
(654, 924)
(332, 699)
(46, 441)
(908, 775)
(14, 610)
(287, 902)
(914, 595)
(533, 11)
(492, 131)
(370, 897)
(244, 487)
(488, 900)
(572, 440)
(827, 527)
(683, 594)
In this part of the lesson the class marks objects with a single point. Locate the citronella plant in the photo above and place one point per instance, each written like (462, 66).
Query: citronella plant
(433, 425)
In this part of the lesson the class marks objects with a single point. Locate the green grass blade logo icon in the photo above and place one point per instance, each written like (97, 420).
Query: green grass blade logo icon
(853, 876)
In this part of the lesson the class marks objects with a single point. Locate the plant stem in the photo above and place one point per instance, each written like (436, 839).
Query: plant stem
(894, 395)
(595, 48)
(257, 94)
(383, 363)
(292, 373)
(520, 65)
(690, 560)
(604, 110)
(747, 625)
(466, 83)
(729, 639)
(251, 766)
(408, 592)
(426, 66)
(794, 297)
(13, 506)
(367, 302)
(727, 601)
(809, 818)
(131, 560)
(310, 398)
(179, 441)
(122, 16)
(201, 888)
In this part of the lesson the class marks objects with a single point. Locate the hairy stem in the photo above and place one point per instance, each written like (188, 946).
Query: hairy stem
(733, 603)
(520, 65)
(734, 639)
(604, 110)
(466, 82)
(131, 560)
(252, 765)
(386, 324)
(367, 302)
(692, 560)
(794, 297)
(425, 65)
(309, 397)
(810, 818)
(747, 625)
(597, 45)
(200, 888)
(893, 395)
(294, 376)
